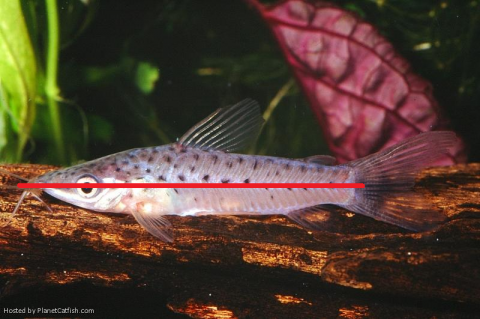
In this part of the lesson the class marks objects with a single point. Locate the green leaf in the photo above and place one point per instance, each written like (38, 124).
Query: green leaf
(18, 79)
(146, 76)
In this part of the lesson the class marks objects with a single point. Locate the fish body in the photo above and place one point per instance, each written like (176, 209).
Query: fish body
(178, 164)
(204, 155)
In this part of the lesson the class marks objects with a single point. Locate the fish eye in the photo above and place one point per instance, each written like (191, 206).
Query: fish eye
(87, 192)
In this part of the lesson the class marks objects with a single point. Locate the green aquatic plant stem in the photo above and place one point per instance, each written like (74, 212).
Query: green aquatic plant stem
(277, 98)
(51, 88)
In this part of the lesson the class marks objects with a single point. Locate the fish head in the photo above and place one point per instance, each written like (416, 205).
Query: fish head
(98, 199)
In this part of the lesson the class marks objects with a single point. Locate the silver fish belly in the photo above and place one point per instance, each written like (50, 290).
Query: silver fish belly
(203, 155)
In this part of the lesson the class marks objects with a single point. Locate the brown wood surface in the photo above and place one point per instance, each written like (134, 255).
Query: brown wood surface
(237, 267)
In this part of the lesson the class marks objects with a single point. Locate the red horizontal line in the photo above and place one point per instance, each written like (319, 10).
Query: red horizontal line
(190, 185)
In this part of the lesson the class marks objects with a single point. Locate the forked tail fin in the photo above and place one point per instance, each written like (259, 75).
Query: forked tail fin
(389, 176)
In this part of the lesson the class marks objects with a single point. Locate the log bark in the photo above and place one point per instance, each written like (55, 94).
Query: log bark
(232, 266)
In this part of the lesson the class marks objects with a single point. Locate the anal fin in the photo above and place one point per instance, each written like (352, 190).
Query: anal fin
(312, 218)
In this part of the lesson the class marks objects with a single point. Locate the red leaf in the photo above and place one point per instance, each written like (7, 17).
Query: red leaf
(363, 93)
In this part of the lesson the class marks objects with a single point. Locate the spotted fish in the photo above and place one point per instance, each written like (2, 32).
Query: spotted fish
(204, 155)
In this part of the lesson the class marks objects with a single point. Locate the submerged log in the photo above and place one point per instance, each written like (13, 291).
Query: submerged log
(233, 266)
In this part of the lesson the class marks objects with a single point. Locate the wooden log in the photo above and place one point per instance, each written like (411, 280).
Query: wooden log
(232, 266)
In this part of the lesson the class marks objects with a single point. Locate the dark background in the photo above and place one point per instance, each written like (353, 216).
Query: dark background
(184, 38)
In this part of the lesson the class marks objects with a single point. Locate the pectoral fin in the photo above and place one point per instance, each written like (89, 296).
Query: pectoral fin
(155, 224)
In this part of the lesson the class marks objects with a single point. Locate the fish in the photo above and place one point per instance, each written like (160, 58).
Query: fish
(206, 154)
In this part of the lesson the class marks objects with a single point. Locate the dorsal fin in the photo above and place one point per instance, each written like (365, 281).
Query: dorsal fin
(228, 129)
